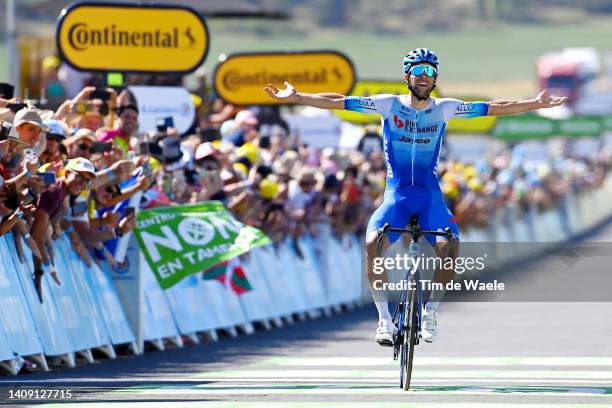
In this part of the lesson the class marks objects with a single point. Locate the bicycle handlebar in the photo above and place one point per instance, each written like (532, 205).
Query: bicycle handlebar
(417, 232)
(413, 230)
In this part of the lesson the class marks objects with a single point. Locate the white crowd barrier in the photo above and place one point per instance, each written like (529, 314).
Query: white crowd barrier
(99, 308)
(575, 215)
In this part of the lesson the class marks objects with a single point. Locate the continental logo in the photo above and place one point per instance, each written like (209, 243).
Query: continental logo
(239, 78)
(234, 80)
(132, 38)
(81, 37)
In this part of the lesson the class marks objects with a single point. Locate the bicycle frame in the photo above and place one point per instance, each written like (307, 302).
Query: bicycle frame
(409, 309)
(412, 275)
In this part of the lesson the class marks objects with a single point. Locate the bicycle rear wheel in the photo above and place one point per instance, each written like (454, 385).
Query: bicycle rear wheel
(409, 340)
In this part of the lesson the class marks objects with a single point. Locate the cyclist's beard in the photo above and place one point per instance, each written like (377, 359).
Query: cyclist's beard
(421, 96)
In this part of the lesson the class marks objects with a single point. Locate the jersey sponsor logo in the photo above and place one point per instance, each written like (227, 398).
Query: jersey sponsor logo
(411, 140)
(387, 160)
(365, 103)
(398, 121)
(412, 127)
(465, 108)
(427, 111)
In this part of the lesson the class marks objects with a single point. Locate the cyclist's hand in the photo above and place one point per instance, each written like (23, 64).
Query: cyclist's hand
(546, 101)
(286, 95)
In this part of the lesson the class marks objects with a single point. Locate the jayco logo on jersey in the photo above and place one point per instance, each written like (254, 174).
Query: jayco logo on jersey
(407, 139)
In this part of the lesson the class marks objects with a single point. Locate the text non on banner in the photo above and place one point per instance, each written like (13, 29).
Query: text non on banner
(179, 241)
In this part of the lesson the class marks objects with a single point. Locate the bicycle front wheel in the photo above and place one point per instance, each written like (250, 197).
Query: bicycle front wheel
(409, 340)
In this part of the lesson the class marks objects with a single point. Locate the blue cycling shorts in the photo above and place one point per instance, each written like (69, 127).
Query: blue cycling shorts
(400, 204)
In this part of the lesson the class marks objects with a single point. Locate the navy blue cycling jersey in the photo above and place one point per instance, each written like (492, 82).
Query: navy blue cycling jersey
(412, 138)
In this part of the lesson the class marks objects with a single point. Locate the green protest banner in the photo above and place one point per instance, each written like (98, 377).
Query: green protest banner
(179, 241)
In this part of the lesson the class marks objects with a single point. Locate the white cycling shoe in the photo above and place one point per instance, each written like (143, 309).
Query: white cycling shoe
(384, 333)
(429, 330)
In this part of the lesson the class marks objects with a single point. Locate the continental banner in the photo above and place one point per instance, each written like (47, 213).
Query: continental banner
(179, 241)
(240, 78)
(123, 37)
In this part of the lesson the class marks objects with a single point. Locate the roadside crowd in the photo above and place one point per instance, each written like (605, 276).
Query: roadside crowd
(71, 170)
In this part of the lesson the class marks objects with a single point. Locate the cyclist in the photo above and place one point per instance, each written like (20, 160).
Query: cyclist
(413, 129)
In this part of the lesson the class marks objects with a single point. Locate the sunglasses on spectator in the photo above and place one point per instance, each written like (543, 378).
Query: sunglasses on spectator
(84, 147)
(419, 70)
(53, 136)
(82, 179)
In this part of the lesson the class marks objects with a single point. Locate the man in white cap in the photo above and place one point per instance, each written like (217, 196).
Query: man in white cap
(78, 175)
(81, 144)
(30, 128)
(14, 180)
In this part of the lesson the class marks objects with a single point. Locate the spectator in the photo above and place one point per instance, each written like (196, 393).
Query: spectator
(55, 149)
(78, 174)
(125, 128)
(30, 127)
(81, 144)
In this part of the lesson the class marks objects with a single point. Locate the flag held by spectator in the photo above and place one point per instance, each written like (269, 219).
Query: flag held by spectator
(179, 241)
(231, 275)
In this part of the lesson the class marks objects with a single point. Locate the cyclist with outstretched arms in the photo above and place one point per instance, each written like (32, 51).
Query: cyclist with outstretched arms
(413, 128)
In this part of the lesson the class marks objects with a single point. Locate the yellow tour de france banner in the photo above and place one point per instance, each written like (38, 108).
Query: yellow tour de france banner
(239, 78)
(96, 36)
(370, 87)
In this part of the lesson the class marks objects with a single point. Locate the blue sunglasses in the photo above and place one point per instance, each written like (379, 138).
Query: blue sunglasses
(418, 70)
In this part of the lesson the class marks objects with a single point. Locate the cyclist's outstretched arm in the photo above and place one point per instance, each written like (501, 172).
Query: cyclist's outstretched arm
(497, 108)
(291, 95)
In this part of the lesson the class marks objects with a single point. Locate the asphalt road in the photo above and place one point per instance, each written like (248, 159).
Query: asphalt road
(489, 354)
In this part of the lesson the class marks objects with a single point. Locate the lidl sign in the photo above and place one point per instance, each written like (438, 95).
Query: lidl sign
(240, 78)
(121, 37)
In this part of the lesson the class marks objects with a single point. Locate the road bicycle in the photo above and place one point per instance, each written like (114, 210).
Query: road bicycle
(408, 314)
